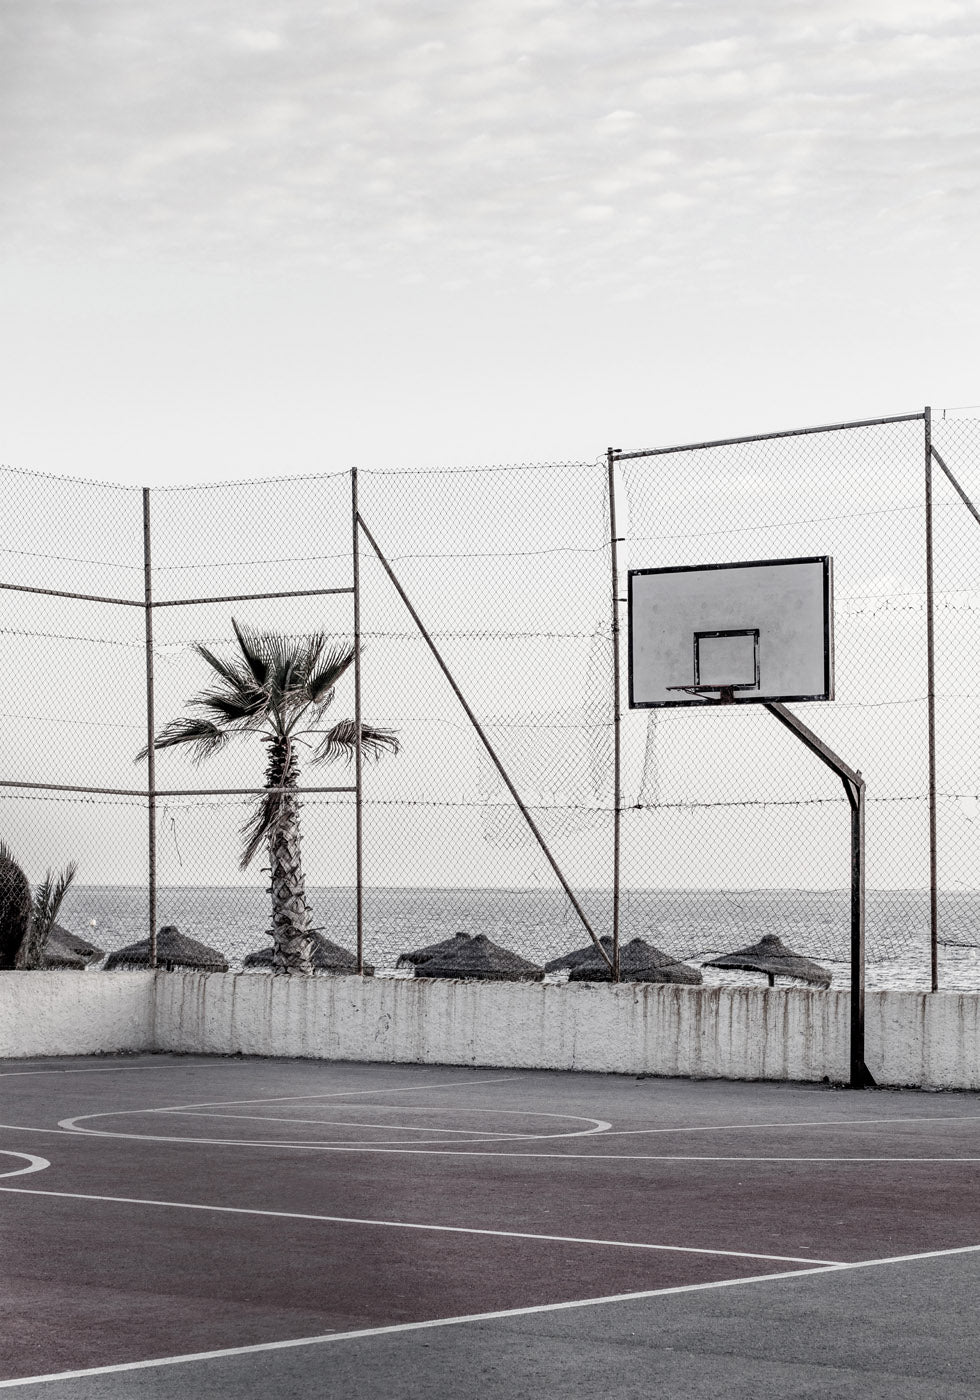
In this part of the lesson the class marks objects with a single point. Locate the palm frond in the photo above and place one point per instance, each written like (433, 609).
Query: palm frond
(266, 818)
(203, 735)
(48, 899)
(232, 707)
(229, 671)
(324, 674)
(254, 648)
(340, 741)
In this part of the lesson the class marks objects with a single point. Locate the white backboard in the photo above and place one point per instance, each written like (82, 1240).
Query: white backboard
(763, 628)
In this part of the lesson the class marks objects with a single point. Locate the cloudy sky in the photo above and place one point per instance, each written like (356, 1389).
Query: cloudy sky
(243, 237)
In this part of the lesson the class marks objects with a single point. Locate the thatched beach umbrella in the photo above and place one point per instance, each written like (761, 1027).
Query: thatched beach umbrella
(174, 949)
(449, 947)
(578, 956)
(639, 961)
(63, 948)
(480, 958)
(325, 957)
(771, 956)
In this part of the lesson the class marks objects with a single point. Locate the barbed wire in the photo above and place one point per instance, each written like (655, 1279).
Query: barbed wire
(79, 480)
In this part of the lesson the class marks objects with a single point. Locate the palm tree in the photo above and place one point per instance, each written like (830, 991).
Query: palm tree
(45, 908)
(278, 688)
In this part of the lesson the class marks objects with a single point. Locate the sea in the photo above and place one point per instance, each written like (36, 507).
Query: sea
(693, 925)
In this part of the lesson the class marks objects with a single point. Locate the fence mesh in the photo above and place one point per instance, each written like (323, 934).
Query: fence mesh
(729, 828)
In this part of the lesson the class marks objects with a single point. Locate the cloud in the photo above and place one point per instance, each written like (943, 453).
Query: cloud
(472, 139)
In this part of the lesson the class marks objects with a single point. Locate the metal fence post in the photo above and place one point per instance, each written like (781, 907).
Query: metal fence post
(617, 714)
(151, 796)
(931, 713)
(358, 798)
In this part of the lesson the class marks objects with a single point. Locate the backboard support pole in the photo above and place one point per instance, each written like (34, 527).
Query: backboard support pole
(854, 787)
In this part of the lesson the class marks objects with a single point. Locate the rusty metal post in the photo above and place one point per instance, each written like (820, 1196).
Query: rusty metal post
(931, 714)
(617, 711)
(358, 756)
(471, 716)
(151, 796)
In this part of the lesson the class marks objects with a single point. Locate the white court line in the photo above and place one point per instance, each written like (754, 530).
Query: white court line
(34, 1164)
(343, 1123)
(66, 1127)
(810, 1123)
(411, 1225)
(480, 1152)
(598, 1125)
(118, 1069)
(326, 1337)
(343, 1093)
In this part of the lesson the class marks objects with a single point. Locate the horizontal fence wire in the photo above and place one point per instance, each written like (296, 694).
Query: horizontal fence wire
(728, 830)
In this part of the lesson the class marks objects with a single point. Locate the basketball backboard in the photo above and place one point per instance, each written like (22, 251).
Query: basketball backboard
(756, 631)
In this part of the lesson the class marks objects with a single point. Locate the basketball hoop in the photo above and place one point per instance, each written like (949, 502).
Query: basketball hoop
(725, 696)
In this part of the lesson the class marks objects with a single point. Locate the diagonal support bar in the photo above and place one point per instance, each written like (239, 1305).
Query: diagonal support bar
(484, 739)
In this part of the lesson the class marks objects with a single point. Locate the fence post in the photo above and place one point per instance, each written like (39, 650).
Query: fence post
(931, 714)
(151, 782)
(358, 800)
(617, 716)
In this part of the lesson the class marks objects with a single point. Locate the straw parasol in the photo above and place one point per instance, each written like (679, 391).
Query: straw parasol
(326, 956)
(771, 956)
(174, 949)
(639, 961)
(62, 948)
(480, 958)
(578, 956)
(449, 947)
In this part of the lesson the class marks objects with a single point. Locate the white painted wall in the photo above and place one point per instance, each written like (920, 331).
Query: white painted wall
(75, 1013)
(733, 1033)
(912, 1038)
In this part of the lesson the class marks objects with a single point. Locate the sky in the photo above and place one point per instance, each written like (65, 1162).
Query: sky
(244, 238)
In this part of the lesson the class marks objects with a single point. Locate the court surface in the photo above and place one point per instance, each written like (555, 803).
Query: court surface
(191, 1227)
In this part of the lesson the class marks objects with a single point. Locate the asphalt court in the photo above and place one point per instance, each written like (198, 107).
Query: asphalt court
(212, 1227)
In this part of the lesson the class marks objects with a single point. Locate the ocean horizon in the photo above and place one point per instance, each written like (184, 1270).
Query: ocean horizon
(541, 924)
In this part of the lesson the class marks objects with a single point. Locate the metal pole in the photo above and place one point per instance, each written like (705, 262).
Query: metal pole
(956, 486)
(358, 792)
(931, 717)
(853, 784)
(860, 1077)
(150, 729)
(483, 737)
(617, 712)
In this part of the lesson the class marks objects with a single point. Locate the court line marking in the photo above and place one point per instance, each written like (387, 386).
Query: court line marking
(599, 1125)
(341, 1093)
(66, 1127)
(412, 1225)
(481, 1152)
(809, 1123)
(326, 1337)
(115, 1069)
(478, 1133)
(34, 1164)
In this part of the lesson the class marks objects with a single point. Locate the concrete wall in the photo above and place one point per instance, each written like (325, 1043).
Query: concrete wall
(75, 1013)
(733, 1033)
(912, 1038)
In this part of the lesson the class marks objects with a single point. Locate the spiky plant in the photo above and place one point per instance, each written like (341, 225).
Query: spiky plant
(45, 908)
(15, 907)
(278, 689)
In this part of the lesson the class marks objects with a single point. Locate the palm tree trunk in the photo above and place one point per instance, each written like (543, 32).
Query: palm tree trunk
(293, 945)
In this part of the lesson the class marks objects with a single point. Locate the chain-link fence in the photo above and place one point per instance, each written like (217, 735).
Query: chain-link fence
(486, 621)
